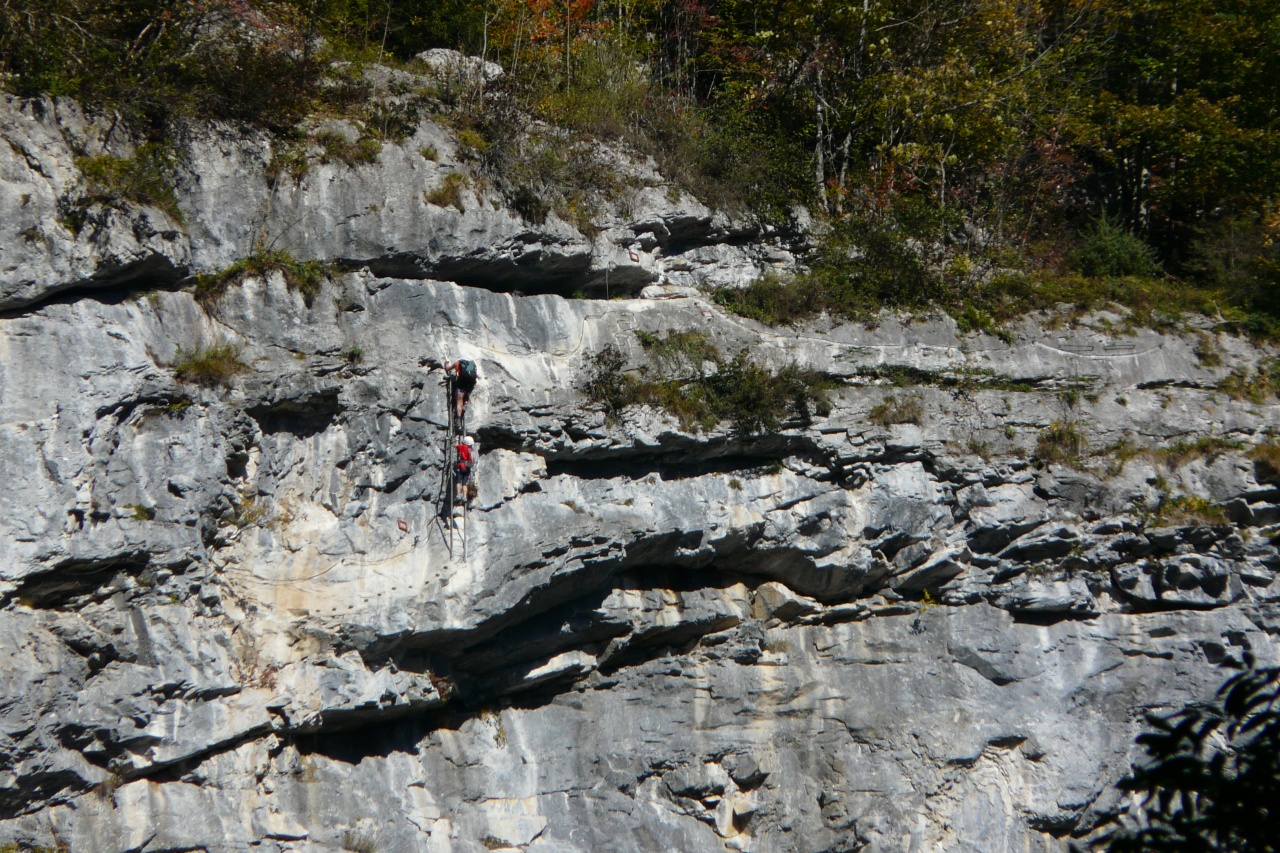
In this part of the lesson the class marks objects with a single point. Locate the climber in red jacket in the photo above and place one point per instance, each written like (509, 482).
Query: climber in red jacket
(464, 465)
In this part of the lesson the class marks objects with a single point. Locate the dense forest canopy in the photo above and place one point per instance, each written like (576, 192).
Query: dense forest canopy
(1103, 145)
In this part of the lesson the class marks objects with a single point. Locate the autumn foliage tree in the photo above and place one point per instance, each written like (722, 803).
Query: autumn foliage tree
(961, 137)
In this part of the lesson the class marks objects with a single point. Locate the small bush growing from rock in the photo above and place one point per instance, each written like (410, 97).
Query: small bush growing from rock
(775, 301)
(1060, 442)
(334, 147)
(177, 406)
(1189, 509)
(1207, 351)
(378, 123)
(531, 206)
(1110, 250)
(751, 397)
(1256, 386)
(1266, 462)
(145, 178)
(251, 513)
(449, 193)
(908, 410)
(543, 170)
(471, 143)
(679, 354)
(138, 512)
(687, 402)
(978, 448)
(756, 399)
(391, 120)
(302, 276)
(212, 365)
(287, 158)
(607, 385)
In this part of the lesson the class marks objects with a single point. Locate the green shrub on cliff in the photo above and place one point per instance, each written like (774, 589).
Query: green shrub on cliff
(1109, 250)
(302, 276)
(1061, 442)
(147, 177)
(214, 364)
(686, 377)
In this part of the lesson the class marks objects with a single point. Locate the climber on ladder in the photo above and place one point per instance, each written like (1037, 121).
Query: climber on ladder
(465, 460)
(460, 454)
(462, 375)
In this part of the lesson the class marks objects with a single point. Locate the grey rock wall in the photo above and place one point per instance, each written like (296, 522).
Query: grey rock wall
(56, 236)
(48, 241)
(236, 621)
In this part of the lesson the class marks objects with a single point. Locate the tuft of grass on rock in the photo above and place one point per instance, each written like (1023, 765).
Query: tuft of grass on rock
(302, 276)
(1061, 442)
(1206, 447)
(1266, 462)
(334, 147)
(978, 448)
(359, 842)
(1256, 386)
(139, 512)
(449, 193)
(1207, 352)
(471, 143)
(211, 365)
(1188, 510)
(251, 513)
(893, 410)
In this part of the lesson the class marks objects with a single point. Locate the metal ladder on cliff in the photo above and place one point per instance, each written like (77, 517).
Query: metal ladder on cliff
(445, 498)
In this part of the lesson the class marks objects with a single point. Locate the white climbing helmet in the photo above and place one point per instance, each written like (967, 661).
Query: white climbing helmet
(468, 441)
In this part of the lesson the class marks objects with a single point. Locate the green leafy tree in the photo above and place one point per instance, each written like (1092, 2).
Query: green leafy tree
(1212, 781)
(150, 60)
(1177, 111)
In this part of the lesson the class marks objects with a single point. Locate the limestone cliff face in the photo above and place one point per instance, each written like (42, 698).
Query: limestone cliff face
(233, 619)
